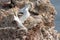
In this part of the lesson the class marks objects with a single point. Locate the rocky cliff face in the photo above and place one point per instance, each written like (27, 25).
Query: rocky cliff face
(40, 24)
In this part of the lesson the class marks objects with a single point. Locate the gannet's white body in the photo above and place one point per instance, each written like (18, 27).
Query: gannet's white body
(25, 12)
(21, 20)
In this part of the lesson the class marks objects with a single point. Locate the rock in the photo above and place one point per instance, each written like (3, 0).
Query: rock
(40, 24)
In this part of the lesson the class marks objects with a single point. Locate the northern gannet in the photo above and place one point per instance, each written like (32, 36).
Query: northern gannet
(26, 14)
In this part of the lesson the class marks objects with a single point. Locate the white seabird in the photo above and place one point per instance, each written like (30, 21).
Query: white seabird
(26, 14)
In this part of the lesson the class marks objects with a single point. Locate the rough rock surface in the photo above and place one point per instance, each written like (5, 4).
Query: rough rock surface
(40, 24)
